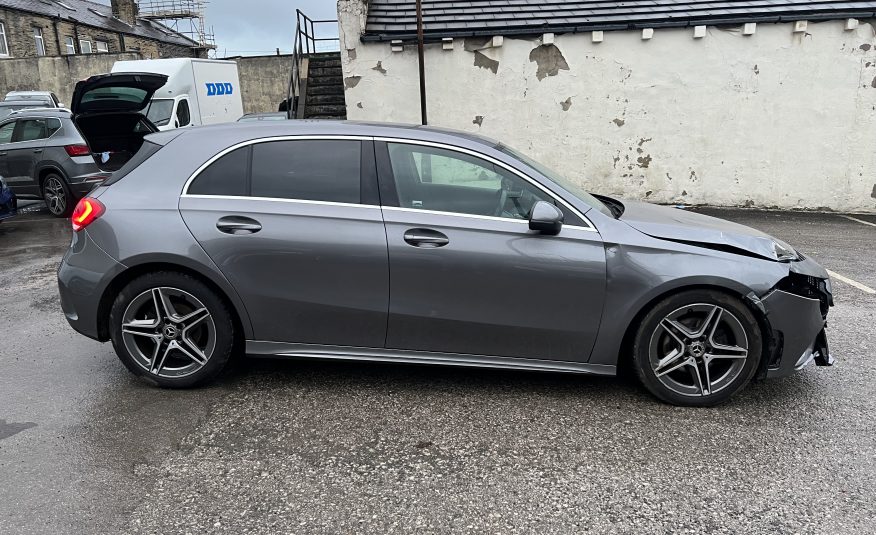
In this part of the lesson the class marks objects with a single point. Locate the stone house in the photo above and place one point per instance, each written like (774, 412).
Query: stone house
(37, 28)
(767, 104)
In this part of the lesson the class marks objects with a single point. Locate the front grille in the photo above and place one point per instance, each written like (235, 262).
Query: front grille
(808, 286)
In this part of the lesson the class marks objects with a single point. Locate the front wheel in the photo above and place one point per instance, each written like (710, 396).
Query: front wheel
(172, 329)
(697, 348)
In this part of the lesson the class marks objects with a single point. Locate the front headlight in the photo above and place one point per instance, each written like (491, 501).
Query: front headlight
(784, 252)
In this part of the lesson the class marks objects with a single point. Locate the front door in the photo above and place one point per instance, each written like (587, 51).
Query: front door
(6, 131)
(467, 274)
(290, 225)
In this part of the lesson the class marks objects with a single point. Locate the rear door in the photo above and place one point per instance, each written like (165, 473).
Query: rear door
(6, 130)
(24, 152)
(295, 226)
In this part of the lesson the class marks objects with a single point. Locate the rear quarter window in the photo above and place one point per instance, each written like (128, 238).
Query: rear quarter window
(225, 176)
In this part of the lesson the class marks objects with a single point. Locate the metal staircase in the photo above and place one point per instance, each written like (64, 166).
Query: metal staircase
(316, 86)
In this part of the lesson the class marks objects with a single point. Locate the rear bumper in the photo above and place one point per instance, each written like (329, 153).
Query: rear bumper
(798, 333)
(83, 275)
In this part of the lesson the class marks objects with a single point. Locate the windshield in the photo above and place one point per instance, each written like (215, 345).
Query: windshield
(6, 109)
(562, 181)
(159, 111)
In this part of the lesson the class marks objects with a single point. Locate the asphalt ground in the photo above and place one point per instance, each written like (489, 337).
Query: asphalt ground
(329, 447)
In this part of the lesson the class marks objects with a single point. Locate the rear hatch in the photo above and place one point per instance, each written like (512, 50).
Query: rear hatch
(107, 109)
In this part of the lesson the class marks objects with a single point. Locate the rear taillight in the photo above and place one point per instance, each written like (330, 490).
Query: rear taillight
(77, 150)
(86, 211)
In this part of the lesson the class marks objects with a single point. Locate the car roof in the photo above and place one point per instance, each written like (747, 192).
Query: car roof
(29, 102)
(43, 112)
(245, 131)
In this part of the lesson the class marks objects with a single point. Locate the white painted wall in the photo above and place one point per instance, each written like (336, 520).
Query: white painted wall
(775, 119)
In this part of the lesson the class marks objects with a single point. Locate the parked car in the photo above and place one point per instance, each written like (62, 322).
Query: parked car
(8, 107)
(272, 116)
(59, 155)
(47, 97)
(417, 245)
(8, 201)
(197, 92)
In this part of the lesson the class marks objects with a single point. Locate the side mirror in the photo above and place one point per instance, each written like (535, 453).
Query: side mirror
(546, 218)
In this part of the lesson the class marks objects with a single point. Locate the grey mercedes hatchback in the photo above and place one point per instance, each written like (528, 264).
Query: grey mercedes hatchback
(418, 245)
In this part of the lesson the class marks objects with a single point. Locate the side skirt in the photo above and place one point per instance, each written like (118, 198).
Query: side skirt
(283, 349)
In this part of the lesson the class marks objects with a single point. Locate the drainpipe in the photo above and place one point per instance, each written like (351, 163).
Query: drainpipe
(57, 35)
(76, 47)
(420, 55)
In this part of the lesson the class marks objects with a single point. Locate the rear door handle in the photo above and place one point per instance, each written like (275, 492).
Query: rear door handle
(37, 151)
(234, 224)
(423, 237)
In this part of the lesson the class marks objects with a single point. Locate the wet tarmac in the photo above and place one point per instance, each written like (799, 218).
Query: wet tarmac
(310, 447)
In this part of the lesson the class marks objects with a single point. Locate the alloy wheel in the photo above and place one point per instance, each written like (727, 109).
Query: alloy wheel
(169, 332)
(698, 349)
(55, 195)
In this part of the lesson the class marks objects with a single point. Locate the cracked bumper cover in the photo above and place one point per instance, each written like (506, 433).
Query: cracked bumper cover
(798, 330)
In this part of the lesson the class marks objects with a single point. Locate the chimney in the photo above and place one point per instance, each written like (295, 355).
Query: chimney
(125, 11)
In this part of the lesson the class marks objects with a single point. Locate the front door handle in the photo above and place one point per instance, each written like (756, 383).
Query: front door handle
(3, 153)
(423, 237)
(37, 151)
(238, 225)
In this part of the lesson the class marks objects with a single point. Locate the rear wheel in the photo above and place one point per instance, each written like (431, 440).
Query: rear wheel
(172, 329)
(57, 195)
(697, 348)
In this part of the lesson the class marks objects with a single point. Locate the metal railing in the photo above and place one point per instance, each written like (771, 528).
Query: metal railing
(306, 44)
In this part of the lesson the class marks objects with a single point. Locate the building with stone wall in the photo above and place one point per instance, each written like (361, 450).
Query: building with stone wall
(47, 28)
(766, 104)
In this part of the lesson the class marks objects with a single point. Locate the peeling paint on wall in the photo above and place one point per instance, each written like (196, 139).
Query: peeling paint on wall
(619, 122)
(359, 105)
(644, 161)
(549, 59)
(379, 68)
(478, 120)
(351, 53)
(566, 104)
(351, 81)
(865, 47)
(475, 43)
(482, 61)
(874, 192)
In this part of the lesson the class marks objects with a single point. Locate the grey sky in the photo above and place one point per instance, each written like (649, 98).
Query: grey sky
(253, 27)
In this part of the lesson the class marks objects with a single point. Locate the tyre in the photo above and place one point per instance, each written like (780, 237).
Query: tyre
(56, 193)
(172, 329)
(697, 348)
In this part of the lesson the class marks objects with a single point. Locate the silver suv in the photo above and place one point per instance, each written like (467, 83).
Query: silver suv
(59, 155)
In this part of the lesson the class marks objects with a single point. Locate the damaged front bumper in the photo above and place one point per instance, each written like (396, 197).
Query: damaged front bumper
(796, 312)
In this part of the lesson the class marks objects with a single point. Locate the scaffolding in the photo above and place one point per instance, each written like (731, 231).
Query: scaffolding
(185, 17)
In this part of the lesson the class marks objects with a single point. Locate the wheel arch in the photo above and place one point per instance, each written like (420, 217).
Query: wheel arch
(734, 289)
(112, 289)
(47, 168)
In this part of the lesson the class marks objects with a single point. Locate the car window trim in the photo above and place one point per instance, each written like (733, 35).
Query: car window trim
(496, 162)
(278, 199)
(251, 142)
(185, 190)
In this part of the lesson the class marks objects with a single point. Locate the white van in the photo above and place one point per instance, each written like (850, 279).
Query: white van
(197, 92)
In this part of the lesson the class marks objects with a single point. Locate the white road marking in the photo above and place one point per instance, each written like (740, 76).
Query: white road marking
(864, 288)
(858, 220)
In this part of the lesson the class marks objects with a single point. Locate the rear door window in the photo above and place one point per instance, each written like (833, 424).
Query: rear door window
(314, 170)
(31, 130)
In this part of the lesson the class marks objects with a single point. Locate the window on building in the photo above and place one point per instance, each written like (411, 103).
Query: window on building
(69, 46)
(85, 46)
(4, 46)
(40, 43)
(101, 46)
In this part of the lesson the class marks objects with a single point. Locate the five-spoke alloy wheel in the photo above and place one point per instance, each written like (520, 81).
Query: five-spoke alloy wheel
(57, 196)
(697, 348)
(172, 329)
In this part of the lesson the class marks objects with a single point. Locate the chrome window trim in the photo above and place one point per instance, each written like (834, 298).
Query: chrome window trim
(279, 199)
(474, 216)
(199, 170)
(493, 161)
(305, 137)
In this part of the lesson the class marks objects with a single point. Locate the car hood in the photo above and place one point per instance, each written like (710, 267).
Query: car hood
(697, 229)
(126, 92)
